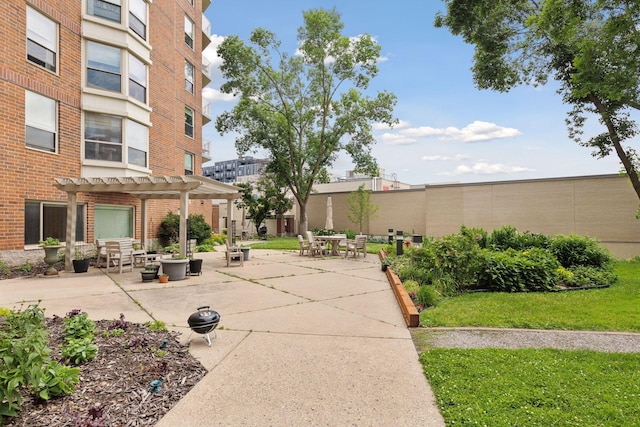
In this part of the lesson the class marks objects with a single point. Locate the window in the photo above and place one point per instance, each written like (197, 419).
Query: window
(188, 77)
(107, 9)
(138, 17)
(112, 221)
(188, 164)
(188, 122)
(42, 40)
(188, 31)
(40, 121)
(103, 66)
(137, 79)
(42, 220)
(102, 137)
(137, 142)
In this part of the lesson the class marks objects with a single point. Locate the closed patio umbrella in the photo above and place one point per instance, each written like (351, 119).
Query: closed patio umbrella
(328, 225)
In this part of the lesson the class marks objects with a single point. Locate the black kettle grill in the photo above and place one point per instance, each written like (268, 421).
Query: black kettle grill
(204, 321)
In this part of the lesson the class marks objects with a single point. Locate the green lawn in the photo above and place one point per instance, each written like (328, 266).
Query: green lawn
(535, 387)
(289, 243)
(616, 308)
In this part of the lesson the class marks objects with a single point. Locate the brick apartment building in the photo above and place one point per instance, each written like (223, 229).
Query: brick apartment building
(96, 88)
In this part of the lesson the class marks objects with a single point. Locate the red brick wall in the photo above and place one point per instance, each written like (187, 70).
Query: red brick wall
(28, 174)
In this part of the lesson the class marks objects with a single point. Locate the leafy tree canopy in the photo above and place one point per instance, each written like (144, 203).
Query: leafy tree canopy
(361, 209)
(591, 47)
(304, 109)
(266, 198)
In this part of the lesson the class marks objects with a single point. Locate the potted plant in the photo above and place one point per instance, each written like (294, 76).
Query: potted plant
(163, 277)
(80, 261)
(195, 266)
(176, 268)
(245, 252)
(148, 275)
(51, 245)
(153, 267)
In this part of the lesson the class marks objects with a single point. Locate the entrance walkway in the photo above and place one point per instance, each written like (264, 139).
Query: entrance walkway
(301, 341)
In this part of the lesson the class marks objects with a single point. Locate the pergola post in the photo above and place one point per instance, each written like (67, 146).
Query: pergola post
(184, 214)
(72, 213)
(143, 223)
(229, 221)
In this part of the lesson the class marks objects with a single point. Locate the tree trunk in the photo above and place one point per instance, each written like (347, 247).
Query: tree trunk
(622, 155)
(302, 228)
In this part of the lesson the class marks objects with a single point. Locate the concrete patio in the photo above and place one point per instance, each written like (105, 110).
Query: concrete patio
(315, 341)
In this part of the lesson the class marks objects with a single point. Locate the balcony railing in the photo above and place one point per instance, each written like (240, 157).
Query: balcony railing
(206, 32)
(206, 113)
(206, 150)
(206, 69)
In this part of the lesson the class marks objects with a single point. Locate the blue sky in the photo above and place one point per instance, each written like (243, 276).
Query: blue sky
(449, 131)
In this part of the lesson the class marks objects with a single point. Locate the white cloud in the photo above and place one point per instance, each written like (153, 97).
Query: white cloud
(474, 132)
(456, 158)
(211, 52)
(396, 139)
(214, 95)
(383, 126)
(483, 168)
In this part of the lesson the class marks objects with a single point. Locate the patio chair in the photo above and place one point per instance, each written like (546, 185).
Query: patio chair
(304, 245)
(119, 253)
(357, 245)
(234, 254)
(316, 246)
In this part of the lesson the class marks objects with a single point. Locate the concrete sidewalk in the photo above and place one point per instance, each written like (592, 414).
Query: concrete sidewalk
(301, 341)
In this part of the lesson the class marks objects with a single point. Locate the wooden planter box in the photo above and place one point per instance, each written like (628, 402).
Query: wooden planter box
(408, 308)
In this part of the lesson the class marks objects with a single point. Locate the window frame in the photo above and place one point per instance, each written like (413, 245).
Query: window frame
(189, 38)
(141, 21)
(189, 80)
(135, 145)
(33, 44)
(114, 3)
(192, 159)
(188, 125)
(103, 147)
(59, 231)
(134, 81)
(39, 126)
(102, 68)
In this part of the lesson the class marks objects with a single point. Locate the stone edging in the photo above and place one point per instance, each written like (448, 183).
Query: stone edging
(408, 308)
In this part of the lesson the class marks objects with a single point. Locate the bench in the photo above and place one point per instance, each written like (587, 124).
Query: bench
(138, 256)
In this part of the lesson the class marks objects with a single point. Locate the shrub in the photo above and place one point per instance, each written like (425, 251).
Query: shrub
(455, 256)
(428, 296)
(514, 271)
(169, 230)
(586, 276)
(573, 250)
(414, 272)
(79, 350)
(508, 237)
(477, 234)
(411, 286)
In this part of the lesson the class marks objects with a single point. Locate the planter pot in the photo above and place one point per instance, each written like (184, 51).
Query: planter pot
(51, 257)
(148, 276)
(154, 267)
(81, 265)
(195, 266)
(175, 268)
(245, 253)
(163, 278)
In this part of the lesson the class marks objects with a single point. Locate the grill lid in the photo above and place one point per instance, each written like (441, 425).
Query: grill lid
(204, 319)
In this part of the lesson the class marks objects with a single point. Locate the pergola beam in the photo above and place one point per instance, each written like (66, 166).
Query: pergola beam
(182, 187)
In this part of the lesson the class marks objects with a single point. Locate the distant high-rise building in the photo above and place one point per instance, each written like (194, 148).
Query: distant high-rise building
(243, 169)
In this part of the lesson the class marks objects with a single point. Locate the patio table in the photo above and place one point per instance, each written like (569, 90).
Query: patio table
(333, 242)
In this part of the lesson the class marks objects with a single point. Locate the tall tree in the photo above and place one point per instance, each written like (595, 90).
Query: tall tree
(361, 209)
(266, 198)
(591, 47)
(304, 109)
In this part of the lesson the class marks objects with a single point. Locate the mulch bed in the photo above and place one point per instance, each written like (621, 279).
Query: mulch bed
(114, 388)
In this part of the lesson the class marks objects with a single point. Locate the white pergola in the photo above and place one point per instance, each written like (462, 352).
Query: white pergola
(183, 187)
